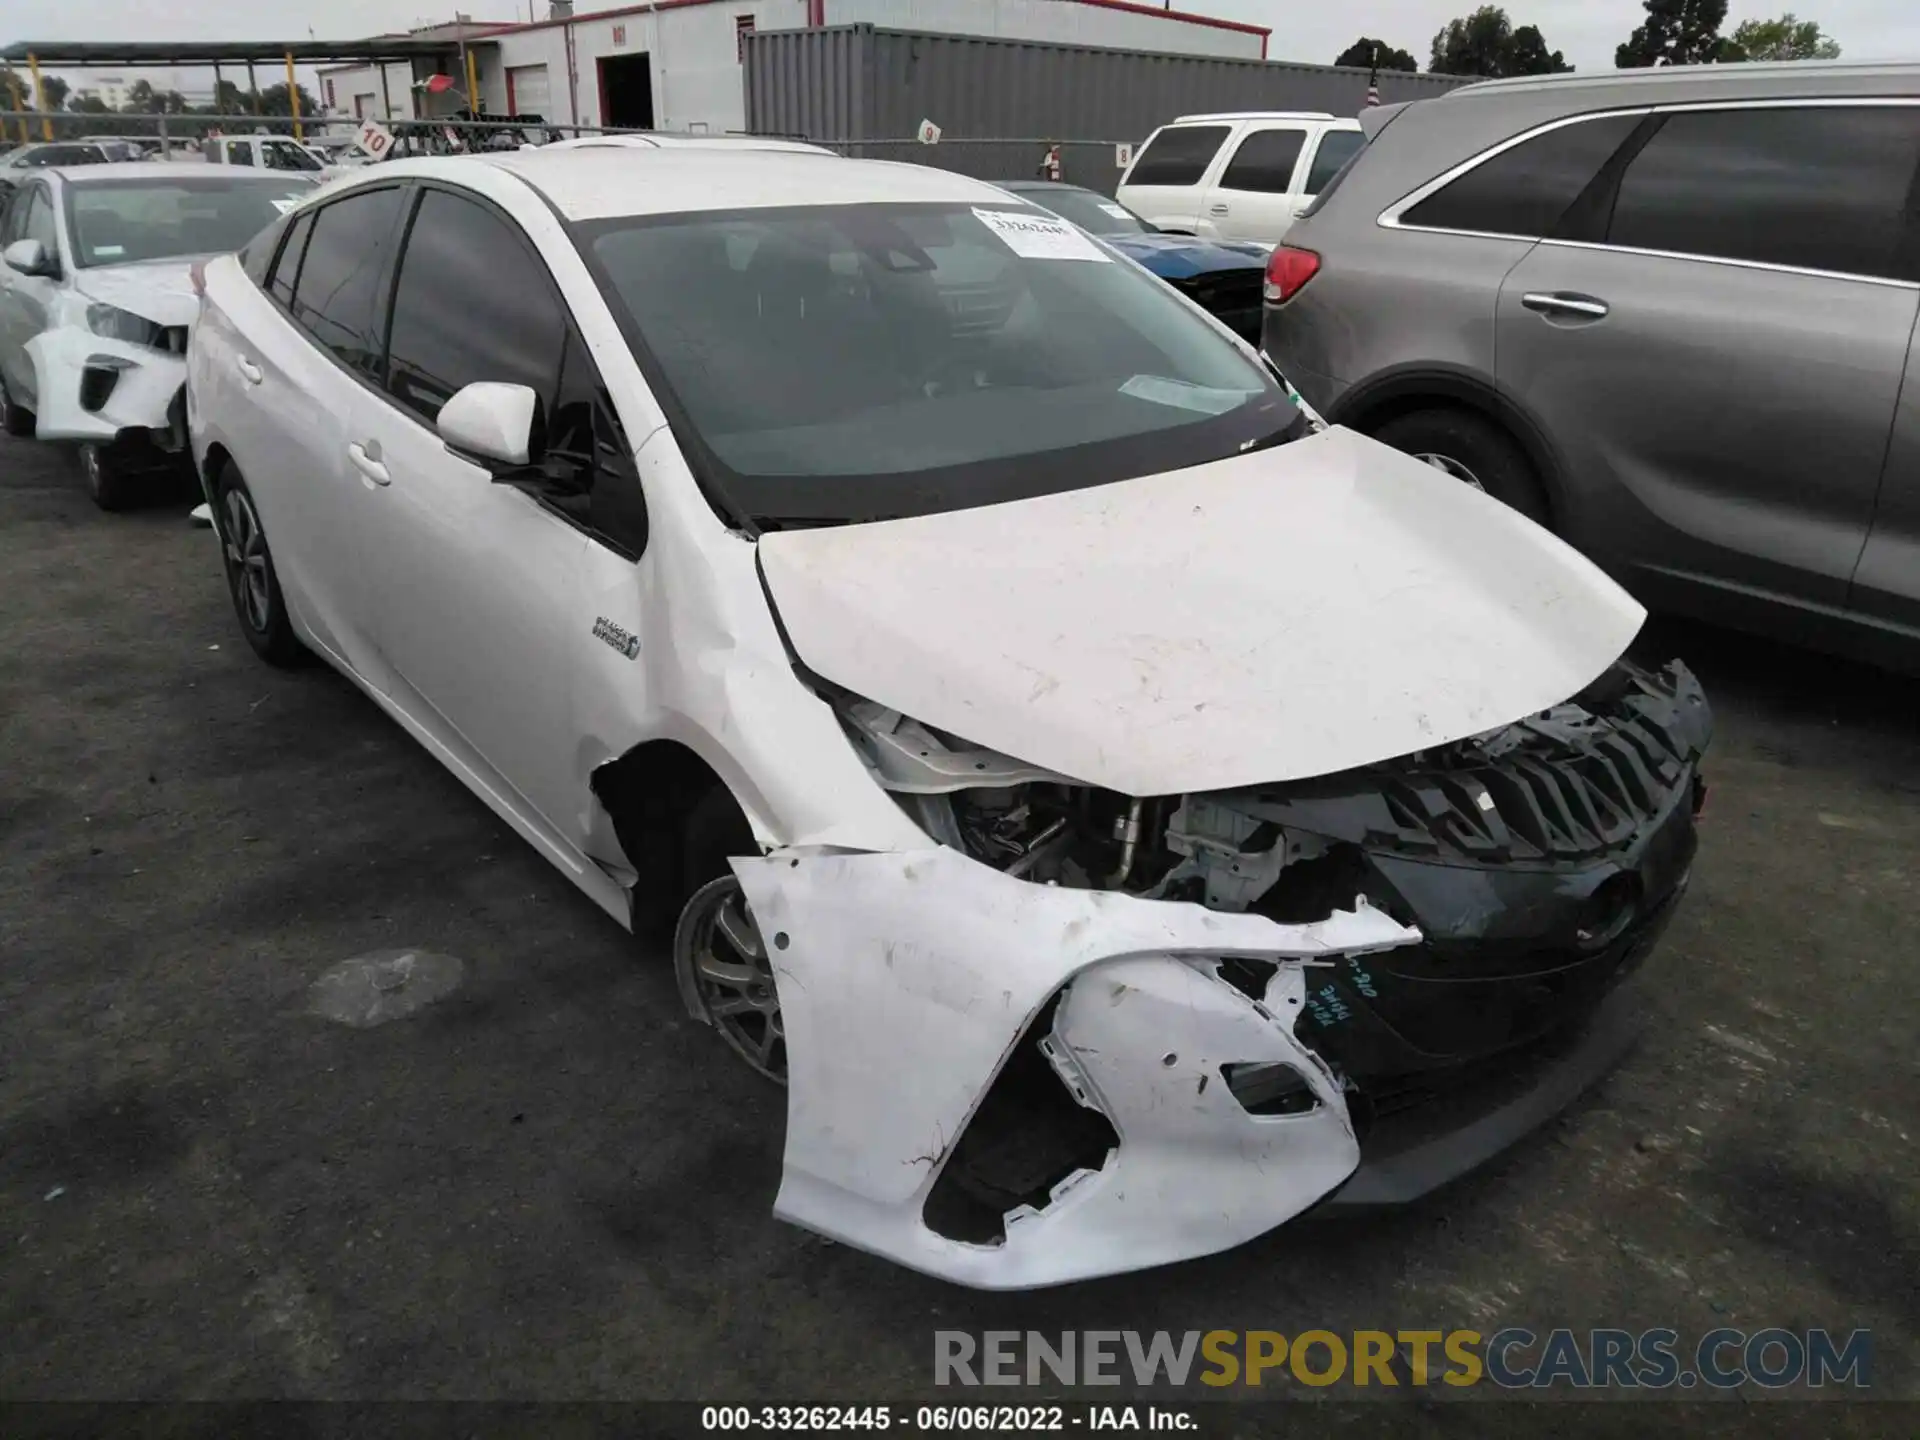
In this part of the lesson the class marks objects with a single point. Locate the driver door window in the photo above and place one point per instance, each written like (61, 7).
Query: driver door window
(239, 152)
(475, 303)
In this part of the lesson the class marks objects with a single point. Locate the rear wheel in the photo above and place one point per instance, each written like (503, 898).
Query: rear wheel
(250, 574)
(14, 419)
(1473, 450)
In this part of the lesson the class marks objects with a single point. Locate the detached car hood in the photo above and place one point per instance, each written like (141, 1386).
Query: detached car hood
(1178, 257)
(1290, 613)
(156, 290)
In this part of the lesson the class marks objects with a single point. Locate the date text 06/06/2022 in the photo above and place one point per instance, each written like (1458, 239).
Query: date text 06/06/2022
(925, 1419)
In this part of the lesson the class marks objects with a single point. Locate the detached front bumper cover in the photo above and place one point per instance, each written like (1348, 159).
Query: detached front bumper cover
(906, 981)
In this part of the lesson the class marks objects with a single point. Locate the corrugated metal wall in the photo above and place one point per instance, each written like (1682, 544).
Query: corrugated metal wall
(859, 84)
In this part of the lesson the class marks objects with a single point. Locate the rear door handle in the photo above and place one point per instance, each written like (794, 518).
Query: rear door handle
(249, 372)
(366, 459)
(1216, 210)
(1561, 302)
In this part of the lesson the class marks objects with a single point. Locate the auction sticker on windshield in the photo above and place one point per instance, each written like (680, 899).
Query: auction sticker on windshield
(1040, 237)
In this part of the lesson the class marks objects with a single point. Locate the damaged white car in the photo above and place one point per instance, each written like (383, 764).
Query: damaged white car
(95, 300)
(1124, 814)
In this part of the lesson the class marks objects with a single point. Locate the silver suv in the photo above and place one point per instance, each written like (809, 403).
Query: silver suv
(1667, 313)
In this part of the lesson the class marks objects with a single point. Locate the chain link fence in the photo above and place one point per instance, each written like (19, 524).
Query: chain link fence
(1089, 163)
(168, 136)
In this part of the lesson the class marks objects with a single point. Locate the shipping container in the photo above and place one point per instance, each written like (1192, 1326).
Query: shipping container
(998, 102)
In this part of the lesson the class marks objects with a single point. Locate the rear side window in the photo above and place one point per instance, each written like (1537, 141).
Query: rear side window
(239, 152)
(472, 303)
(1820, 187)
(1264, 162)
(1178, 155)
(286, 269)
(1525, 190)
(337, 295)
(1336, 148)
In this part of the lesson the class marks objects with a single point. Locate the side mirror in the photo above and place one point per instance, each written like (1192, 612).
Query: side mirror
(29, 257)
(488, 421)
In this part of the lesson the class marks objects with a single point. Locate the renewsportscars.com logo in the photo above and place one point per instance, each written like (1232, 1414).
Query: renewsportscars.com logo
(1513, 1358)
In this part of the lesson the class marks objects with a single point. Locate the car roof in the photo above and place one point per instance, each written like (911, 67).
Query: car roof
(173, 169)
(1257, 115)
(664, 141)
(598, 182)
(1795, 77)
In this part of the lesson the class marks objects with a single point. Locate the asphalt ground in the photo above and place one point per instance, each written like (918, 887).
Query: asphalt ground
(549, 1184)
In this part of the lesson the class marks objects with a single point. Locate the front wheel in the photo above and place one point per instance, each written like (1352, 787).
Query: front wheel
(108, 482)
(1472, 450)
(14, 419)
(251, 580)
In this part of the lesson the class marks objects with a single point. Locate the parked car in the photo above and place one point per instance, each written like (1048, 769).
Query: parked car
(95, 303)
(262, 152)
(1668, 312)
(1243, 176)
(1221, 277)
(1009, 690)
(16, 164)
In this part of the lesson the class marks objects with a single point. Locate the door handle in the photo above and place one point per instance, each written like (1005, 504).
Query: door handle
(366, 459)
(1216, 210)
(1584, 307)
(249, 372)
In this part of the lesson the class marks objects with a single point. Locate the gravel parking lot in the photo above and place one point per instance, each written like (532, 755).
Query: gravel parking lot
(550, 1184)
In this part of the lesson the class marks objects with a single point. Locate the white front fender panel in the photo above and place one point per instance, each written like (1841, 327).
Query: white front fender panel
(148, 381)
(907, 979)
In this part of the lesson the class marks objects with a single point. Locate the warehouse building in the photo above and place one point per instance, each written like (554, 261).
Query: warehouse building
(678, 64)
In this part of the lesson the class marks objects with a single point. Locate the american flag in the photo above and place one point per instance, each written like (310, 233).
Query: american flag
(1373, 79)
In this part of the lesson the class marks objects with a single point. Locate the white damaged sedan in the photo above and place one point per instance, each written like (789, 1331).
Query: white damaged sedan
(95, 300)
(1123, 813)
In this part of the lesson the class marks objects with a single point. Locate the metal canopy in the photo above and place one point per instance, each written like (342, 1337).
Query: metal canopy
(75, 55)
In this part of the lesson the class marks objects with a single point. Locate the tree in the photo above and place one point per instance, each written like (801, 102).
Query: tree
(55, 89)
(1788, 38)
(1367, 52)
(1527, 54)
(1486, 44)
(1678, 32)
(273, 101)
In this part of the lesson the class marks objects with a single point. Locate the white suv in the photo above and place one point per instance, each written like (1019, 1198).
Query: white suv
(1243, 176)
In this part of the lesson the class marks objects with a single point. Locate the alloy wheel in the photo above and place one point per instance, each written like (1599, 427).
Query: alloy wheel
(727, 959)
(246, 553)
(1447, 465)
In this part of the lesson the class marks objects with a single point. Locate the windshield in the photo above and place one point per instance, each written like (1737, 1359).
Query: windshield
(60, 155)
(285, 155)
(119, 221)
(870, 360)
(1093, 213)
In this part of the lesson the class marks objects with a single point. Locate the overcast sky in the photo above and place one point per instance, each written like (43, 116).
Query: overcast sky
(1586, 30)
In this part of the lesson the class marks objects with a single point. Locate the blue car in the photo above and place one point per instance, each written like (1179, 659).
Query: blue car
(1221, 277)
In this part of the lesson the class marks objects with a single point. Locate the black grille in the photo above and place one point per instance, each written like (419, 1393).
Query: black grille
(1572, 783)
(1224, 289)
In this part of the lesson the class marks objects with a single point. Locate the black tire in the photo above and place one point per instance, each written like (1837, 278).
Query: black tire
(252, 583)
(715, 831)
(1475, 451)
(15, 419)
(108, 481)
